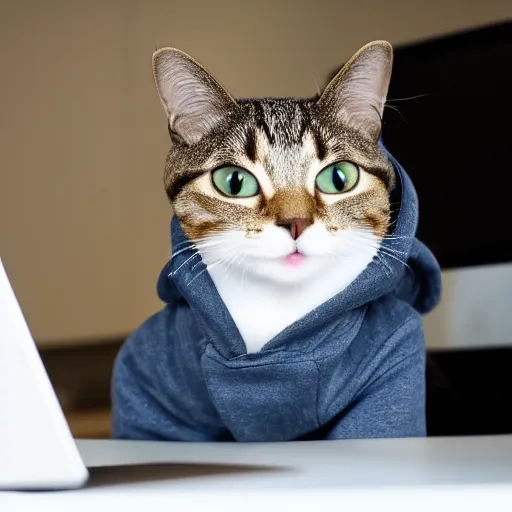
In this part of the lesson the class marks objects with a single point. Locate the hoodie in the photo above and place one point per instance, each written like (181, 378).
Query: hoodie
(352, 368)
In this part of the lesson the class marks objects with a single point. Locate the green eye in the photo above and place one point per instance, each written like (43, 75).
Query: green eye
(235, 182)
(337, 178)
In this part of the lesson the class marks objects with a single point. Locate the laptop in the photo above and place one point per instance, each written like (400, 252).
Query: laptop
(36, 446)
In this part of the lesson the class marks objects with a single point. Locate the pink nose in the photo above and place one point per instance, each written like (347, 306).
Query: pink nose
(295, 226)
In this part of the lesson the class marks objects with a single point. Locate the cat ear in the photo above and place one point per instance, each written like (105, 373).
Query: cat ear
(357, 94)
(192, 99)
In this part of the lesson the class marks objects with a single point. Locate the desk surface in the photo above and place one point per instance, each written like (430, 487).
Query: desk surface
(441, 473)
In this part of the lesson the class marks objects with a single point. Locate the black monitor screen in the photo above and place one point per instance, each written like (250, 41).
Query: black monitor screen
(455, 141)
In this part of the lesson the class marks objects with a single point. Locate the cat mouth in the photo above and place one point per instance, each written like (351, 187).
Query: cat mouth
(294, 259)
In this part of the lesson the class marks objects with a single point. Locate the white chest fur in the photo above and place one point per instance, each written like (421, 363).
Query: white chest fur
(262, 309)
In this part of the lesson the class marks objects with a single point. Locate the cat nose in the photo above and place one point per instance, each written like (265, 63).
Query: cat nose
(295, 226)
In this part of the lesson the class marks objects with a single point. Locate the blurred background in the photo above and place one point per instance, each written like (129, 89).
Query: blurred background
(84, 220)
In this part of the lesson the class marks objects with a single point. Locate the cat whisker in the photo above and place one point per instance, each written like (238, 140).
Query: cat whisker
(317, 87)
(396, 110)
(386, 267)
(369, 230)
(195, 277)
(208, 238)
(174, 246)
(389, 237)
(196, 264)
(237, 260)
(232, 261)
(409, 98)
(398, 237)
(391, 250)
(359, 246)
(185, 262)
(191, 246)
(387, 250)
(221, 255)
(207, 245)
(383, 251)
(207, 267)
(177, 253)
(394, 251)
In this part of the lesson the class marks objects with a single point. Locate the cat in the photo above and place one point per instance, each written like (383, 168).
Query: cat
(294, 293)
(286, 201)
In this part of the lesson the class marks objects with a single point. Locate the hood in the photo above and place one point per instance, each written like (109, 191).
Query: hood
(417, 283)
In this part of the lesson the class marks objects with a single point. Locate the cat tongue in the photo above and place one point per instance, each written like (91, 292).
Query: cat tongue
(295, 259)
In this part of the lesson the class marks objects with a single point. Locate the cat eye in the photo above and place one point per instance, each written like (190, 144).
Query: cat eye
(235, 182)
(337, 178)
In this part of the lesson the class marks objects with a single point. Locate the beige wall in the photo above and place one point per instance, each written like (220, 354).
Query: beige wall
(83, 217)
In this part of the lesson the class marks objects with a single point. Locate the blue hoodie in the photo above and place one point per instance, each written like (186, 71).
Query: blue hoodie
(352, 368)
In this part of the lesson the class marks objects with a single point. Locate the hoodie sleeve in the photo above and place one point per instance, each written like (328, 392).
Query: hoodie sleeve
(393, 403)
(156, 392)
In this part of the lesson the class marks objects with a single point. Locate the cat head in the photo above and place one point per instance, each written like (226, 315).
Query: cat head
(279, 188)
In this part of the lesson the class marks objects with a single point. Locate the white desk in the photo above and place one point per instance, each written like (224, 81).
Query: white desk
(403, 474)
